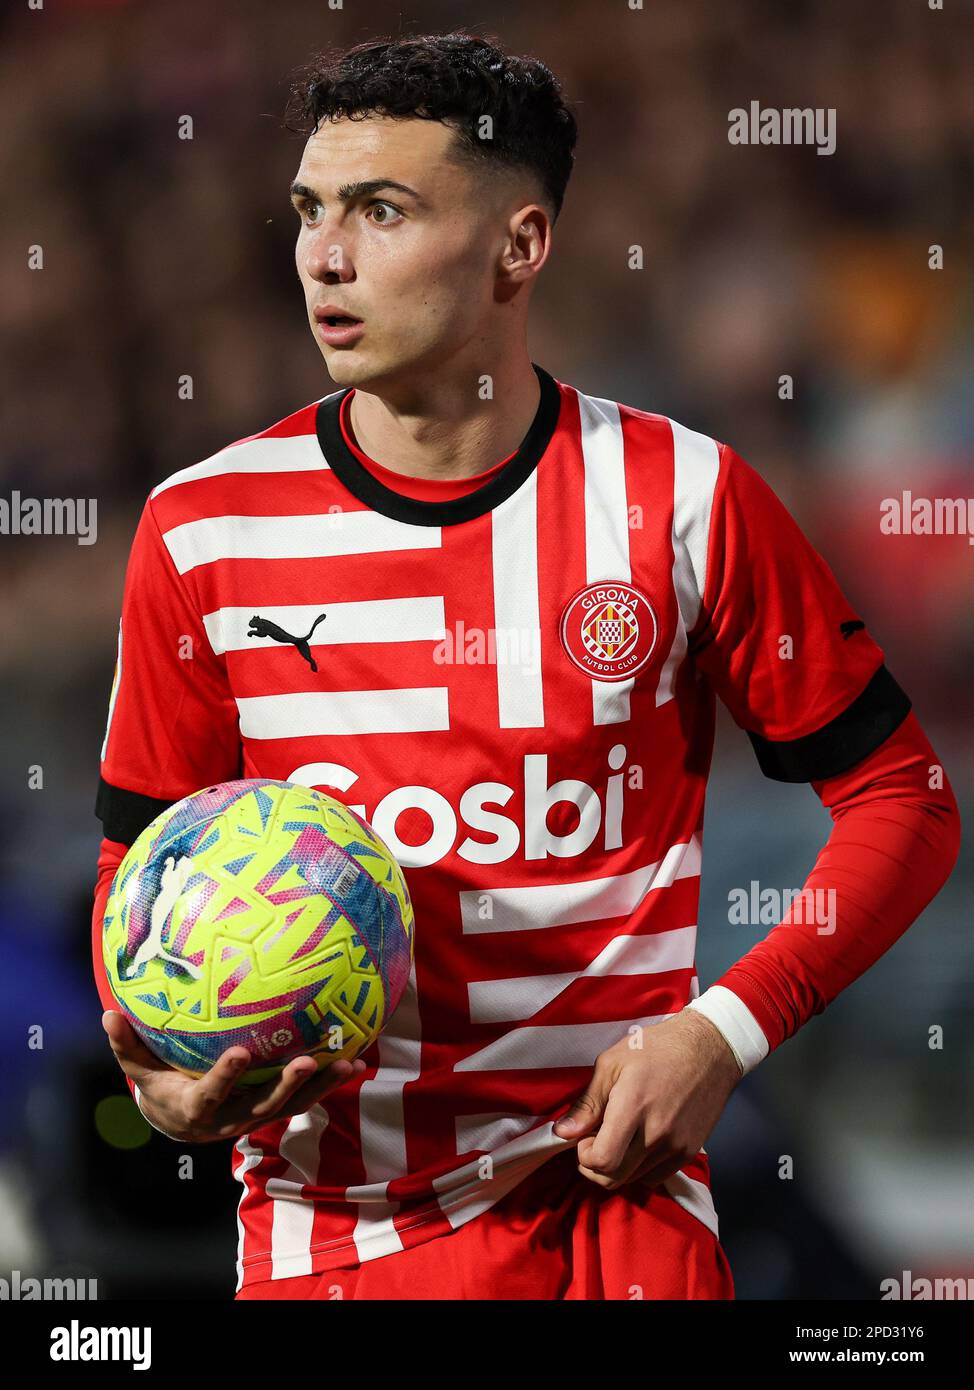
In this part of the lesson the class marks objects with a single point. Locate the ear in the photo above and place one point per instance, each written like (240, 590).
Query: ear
(528, 244)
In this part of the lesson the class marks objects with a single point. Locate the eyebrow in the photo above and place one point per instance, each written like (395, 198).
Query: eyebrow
(349, 191)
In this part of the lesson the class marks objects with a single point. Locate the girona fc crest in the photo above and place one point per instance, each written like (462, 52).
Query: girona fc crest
(609, 630)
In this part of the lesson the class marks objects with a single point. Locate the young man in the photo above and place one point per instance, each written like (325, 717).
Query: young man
(530, 599)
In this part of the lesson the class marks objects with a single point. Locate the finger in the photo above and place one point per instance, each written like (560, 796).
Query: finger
(585, 1115)
(314, 1089)
(130, 1051)
(619, 1130)
(257, 1104)
(280, 1096)
(618, 1173)
(656, 1170)
(292, 1096)
(600, 1179)
(210, 1091)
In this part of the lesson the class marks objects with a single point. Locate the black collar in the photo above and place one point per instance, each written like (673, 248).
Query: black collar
(368, 489)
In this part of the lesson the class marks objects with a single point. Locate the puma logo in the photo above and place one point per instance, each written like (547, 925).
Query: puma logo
(850, 626)
(174, 875)
(263, 627)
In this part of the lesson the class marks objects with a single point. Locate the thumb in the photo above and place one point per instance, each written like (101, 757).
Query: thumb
(131, 1054)
(585, 1115)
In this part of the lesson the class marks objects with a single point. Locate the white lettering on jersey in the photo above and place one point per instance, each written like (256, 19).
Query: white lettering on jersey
(539, 798)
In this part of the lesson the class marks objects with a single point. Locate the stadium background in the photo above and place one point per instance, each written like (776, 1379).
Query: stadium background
(164, 257)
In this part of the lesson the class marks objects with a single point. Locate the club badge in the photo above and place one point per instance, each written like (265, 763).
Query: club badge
(609, 630)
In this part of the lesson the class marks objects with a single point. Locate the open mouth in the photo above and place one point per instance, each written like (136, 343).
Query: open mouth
(339, 320)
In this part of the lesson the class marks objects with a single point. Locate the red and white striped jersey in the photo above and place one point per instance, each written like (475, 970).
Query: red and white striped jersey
(516, 687)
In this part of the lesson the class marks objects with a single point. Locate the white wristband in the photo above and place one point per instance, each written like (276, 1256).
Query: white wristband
(735, 1022)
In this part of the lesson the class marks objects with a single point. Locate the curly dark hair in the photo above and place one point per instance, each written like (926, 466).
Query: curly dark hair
(456, 78)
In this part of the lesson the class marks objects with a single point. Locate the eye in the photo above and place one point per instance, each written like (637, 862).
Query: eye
(387, 213)
(309, 210)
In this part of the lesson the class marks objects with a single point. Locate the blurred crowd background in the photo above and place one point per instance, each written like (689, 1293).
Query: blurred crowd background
(163, 257)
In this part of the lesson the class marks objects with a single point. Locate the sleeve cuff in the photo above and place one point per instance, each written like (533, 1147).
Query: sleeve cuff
(734, 1020)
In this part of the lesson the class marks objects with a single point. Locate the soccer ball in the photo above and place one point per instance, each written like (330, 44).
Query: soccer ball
(262, 914)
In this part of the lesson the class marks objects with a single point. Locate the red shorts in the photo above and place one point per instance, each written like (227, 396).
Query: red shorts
(555, 1236)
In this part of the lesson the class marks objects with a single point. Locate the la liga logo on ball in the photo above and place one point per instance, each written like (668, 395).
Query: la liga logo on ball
(609, 630)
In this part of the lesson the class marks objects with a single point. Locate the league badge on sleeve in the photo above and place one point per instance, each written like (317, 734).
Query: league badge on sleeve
(609, 630)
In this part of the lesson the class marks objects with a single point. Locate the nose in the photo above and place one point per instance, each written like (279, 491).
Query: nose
(328, 258)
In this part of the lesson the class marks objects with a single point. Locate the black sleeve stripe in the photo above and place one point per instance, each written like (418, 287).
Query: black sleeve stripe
(843, 742)
(124, 815)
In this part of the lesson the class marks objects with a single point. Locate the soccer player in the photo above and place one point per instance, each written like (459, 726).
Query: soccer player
(531, 598)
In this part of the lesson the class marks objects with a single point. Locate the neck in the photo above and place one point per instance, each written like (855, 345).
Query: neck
(439, 427)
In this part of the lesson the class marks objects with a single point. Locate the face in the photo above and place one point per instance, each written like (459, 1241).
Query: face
(423, 250)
